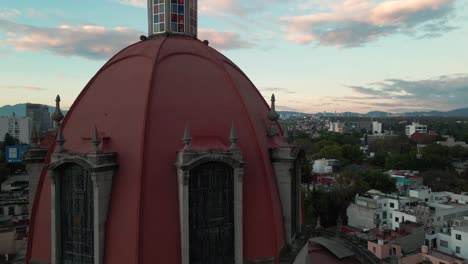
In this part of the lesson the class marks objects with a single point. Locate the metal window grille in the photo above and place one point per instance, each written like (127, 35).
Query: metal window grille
(77, 228)
(211, 214)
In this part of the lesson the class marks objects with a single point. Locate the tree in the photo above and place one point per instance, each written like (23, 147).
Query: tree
(442, 180)
(379, 181)
(330, 152)
(352, 154)
(9, 140)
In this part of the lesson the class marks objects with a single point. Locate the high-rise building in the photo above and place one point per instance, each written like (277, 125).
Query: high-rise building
(40, 116)
(376, 127)
(415, 127)
(17, 127)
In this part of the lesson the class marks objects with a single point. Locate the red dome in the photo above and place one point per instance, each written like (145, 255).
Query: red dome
(141, 100)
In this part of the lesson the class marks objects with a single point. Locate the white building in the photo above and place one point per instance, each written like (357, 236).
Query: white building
(451, 239)
(450, 142)
(415, 127)
(17, 127)
(376, 127)
(375, 209)
(337, 127)
(324, 166)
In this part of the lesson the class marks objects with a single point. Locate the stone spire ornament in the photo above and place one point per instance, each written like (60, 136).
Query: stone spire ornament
(187, 138)
(57, 116)
(96, 140)
(318, 226)
(273, 116)
(60, 139)
(233, 137)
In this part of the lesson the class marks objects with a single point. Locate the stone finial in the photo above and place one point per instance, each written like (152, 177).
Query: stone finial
(318, 226)
(233, 137)
(273, 115)
(187, 138)
(57, 116)
(96, 140)
(60, 139)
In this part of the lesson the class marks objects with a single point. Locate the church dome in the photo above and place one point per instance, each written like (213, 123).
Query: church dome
(141, 101)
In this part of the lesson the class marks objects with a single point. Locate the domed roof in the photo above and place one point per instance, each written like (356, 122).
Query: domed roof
(141, 100)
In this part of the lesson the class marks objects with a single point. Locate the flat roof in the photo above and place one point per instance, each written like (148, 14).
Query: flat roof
(335, 247)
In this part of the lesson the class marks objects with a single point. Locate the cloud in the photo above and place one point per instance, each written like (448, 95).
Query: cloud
(224, 40)
(18, 87)
(355, 22)
(220, 7)
(93, 41)
(442, 92)
(9, 13)
(89, 41)
(276, 90)
(136, 3)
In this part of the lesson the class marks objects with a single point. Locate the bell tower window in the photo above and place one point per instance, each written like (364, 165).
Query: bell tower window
(177, 17)
(158, 16)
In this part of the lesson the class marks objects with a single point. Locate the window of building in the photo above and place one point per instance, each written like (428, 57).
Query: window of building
(211, 213)
(158, 16)
(11, 210)
(392, 205)
(76, 216)
(178, 16)
(373, 250)
(458, 237)
(397, 219)
(443, 243)
(384, 215)
(193, 17)
(457, 250)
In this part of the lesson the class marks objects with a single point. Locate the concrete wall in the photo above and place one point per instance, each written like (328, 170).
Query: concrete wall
(361, 217)
(463, 243)
(303, 255)
(7, 242)
(380, 251)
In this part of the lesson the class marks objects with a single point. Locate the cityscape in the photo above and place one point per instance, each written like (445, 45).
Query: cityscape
(173, 136)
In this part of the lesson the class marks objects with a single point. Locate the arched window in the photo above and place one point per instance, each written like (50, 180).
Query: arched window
(211, 214)
(76, 216)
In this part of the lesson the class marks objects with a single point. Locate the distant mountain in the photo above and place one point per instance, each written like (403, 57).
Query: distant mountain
(454, 113)
(463, 112)
(20, 110)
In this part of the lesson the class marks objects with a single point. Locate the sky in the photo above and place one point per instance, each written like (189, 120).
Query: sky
(315, 55)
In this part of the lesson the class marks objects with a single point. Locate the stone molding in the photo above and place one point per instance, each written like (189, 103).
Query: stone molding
(101, 167)
(287, 162)
(188, 159)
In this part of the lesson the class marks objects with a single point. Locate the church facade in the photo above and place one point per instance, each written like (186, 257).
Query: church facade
(169, 155)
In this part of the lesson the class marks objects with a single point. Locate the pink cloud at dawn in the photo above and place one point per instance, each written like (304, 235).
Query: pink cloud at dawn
(93, 41)
(354, 22)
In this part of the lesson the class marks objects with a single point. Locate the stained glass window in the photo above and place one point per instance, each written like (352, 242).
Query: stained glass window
(193, 17)
(158, 16)
(178, 16)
